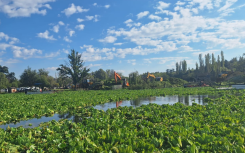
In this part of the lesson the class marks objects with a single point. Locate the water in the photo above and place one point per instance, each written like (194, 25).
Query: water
(187, 100)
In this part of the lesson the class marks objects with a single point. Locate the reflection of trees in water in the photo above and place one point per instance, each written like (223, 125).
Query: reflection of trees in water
(77, 119)
(135, 102)
(65, 116)
(199, 99)
(187, 102)
(152, 99)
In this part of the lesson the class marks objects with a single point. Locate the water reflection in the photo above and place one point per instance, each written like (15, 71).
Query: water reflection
(36, 121)
(186, 100)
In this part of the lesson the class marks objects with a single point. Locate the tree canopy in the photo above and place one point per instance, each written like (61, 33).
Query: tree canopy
(74, 68)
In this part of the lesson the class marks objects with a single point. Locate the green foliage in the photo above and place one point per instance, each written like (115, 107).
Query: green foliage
(3, 81)
(28, 77)
(100, 74)
(215, 127)
(75, 68)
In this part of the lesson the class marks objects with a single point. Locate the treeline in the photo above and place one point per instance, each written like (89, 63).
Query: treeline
(209, 65)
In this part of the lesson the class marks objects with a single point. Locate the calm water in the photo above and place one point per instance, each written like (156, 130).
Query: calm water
(187, 100)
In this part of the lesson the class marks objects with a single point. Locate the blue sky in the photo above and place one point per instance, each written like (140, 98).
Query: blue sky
(128, 35)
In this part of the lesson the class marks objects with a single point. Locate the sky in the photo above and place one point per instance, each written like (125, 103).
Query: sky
(127, 36)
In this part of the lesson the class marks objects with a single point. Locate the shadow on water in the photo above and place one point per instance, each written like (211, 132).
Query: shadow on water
(187, 100)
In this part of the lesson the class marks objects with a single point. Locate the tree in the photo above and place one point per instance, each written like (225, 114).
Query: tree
(44, 81)
(201, 63)
(3, 81)
(43, 72)
(4, 69)
(177, 68)
(100, 74)
(218, 66)
(28, 77)
(75, 68)
(196, 66)
(11, 77)
(222, 59)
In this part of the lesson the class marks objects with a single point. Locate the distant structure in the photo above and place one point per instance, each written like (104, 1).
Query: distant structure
(170, 70)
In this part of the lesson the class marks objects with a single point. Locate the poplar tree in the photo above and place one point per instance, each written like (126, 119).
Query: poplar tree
(177, 68)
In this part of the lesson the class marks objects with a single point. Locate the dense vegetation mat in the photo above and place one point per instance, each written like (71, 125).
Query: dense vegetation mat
(216, 127)
(16, 107)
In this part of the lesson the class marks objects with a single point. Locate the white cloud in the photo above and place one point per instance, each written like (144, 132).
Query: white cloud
(94, 4)
(154, 17)
(118, 44)
(107, 6)
(228, 4)
(74, 9)
(108, 39)
(67, 39)
(61, 23)
(71, 32)
(94, 65)
(65, 51)
(180, 3)
(51, 68)
(12, 61)
(202, 4)
(89, 17)
(56, 28)
(12, 40)
(161, 6)
(163, 60)
(24, 8)
(22, 52)
(45, 35)
(128, 21)
(80, 27)
(133, 61)
(96, 18)
(80, 20)
(142, 14)
(205, 52)
(50, 55)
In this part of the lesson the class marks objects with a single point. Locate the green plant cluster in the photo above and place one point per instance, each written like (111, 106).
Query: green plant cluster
(216, 127)
(16, 107)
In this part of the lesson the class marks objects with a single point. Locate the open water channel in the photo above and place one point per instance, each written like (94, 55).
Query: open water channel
(187, 100)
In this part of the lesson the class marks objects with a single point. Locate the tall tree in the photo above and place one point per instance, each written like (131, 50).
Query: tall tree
(177, 68)
(180, 67)
(222, 60)
(196, 66)
(218, 64)
(184, 66)
(3, 81)
(75, 68)
(28, 77)
(201, 64)
(100, 74)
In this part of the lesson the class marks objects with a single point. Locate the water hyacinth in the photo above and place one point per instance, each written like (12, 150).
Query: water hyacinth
(216, 127)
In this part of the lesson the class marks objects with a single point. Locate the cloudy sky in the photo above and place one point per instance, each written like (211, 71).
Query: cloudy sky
(124, 35)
